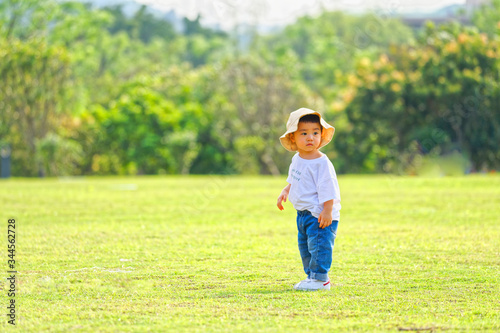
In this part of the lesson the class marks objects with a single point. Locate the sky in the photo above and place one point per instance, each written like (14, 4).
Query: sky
(279, 12)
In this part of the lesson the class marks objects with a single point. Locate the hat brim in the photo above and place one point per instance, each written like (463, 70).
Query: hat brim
(292, 126)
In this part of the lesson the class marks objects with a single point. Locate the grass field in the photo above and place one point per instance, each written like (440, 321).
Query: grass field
(214, 254)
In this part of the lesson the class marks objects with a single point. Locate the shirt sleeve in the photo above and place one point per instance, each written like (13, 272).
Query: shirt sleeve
(327, 185)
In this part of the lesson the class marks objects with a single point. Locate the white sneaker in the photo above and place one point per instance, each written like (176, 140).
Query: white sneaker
(300, 283)
(312, 284)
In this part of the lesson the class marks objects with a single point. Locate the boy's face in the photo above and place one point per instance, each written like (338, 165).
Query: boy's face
(307, 137)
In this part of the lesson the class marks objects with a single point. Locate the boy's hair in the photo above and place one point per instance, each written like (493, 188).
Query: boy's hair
(311, 118)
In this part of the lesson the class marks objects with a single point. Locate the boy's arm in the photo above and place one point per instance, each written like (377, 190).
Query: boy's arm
(283, 196)
(325, 218)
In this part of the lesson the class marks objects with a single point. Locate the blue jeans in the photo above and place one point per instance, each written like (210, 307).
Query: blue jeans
(315, 245)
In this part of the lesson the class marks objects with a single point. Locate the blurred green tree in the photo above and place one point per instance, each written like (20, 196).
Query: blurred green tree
(133, 132)
(439, 96)
(23, 19)
(487, 18)
(142, 25)
(259, 98)
(35, 94)
(57, 155)
(328, 46)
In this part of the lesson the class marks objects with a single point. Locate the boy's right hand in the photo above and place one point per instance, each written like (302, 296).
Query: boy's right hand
(283, 196)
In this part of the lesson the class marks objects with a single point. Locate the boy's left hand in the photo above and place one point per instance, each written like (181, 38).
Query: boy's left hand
(325, 219)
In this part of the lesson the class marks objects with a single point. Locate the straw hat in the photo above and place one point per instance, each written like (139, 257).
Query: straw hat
(293, 123)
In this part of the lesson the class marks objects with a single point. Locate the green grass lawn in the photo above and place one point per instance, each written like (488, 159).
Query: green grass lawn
(214, 254)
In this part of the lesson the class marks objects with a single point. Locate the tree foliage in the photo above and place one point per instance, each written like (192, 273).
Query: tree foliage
(326, 47)
(259, 99)
(36, 94)
(96, 91)
(438, 96)
(487, 18)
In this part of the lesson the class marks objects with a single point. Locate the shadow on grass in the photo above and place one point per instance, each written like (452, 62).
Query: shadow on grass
(251, 293)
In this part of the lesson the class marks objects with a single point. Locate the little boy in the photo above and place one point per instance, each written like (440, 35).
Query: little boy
(314, 192)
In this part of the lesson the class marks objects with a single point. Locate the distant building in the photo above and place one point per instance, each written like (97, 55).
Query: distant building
(471, 5)
(458, 13)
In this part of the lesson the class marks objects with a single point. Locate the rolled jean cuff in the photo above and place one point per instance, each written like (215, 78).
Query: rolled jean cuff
(319, 276)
